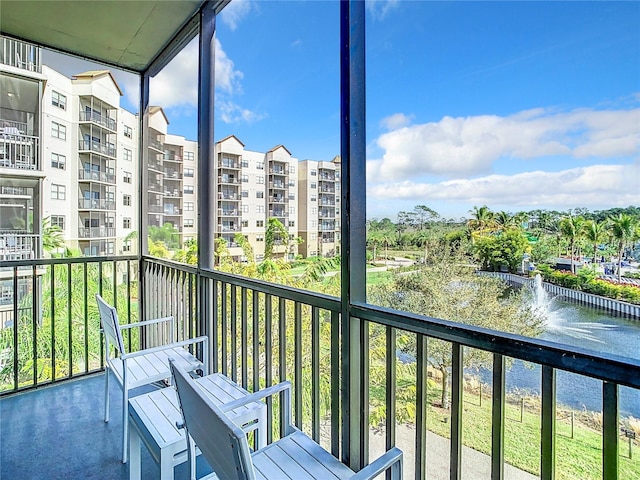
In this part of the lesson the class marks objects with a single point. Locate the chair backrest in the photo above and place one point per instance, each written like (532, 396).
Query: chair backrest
(110, 325)
(221, 441)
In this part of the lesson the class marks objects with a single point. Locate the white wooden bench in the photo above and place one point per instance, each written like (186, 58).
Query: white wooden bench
(295, 456)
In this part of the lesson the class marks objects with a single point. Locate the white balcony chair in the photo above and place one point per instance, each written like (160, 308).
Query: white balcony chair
(295, 456)
(132, 370)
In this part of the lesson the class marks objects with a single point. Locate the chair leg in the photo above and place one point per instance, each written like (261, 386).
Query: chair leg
(106, 394)
(125, 423)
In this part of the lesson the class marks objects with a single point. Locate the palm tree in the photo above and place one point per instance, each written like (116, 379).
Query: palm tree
(594, 233)
(623, 230)
(571, 227)
(483, 218)
(52, 238)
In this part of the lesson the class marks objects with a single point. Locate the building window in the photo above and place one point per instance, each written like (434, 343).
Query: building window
(292, 223)
(127, 177)
(188, 222)
(313, 236)
(260, 165)
(126, 200)
(245, 223)
(313, 198)
(313, 173)
(58, 131)
(188, 172)
(244, 163)
(245, 193)
(128, 155)
(110, 248)
(259, 208)
(314, 224)
(57, 221)
(58, 161)
(292, 183)
(58, 100)
(58, 192)
(259, 194)
(126, 246)
(260, 223)
(314, 211)
(292, 210)
(188, 189)
(245, 178)
(245, 208)
(313, 185)
(126, 222)
(128, 132)
(292, 169)
(190, 156)
(259, 238)
(188, 206)
(260, 179)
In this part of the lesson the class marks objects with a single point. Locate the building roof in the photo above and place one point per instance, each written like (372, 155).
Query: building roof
(95, 74)
(278, 147)
(154, 109)
(127, 34)
(229, 138)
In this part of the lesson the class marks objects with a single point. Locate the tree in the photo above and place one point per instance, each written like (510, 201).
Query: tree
(483, 219)
(571, 228)
(275, 234)
(594, 233)
(52, 239)
(450, 289)
(167, 234)
(507, 248)
(623, 230)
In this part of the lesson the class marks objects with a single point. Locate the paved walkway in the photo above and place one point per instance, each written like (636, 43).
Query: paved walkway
(475, 465)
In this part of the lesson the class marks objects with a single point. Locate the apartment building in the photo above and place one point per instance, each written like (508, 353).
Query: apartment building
(252, 187)
(319, 207)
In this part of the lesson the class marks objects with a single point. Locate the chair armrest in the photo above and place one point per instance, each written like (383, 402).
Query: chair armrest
(259, 395)
(146, 322)
(204, 339)
(380, 464)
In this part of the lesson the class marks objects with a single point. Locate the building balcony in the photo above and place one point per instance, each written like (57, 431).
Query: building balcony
(231, 165)
(96, 232)
(95, 176)
(24, 56)
(227, 212)
(228, 228)
(18, 151)
(277, 199)
(98, 119)
(278, 185)
(96, 204)
(66, 411)
(155, 209)
(97, 147)
(16, 245)
(172, 211)
(156, 145)
(172, 157)
(227, 180)
(172, 175)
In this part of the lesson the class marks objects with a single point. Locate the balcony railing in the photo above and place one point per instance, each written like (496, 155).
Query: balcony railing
(84, 174)
(224, 179)
(20, 55)
(96, 232)
(157, 145)
(18, 246)
(99, 119)
(18, 151)
(228, 228)
(172, 157)
(101, 148)
(96, 204)
(261, 333)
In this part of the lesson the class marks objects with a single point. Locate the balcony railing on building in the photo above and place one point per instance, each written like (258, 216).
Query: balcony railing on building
(278, 199)
(227, 212)
(20, 55)
(96, 204)
(172, 174)
(96, 232)
(227, 196)
(155, 209)
(156, 145)
(98, 147)
(86, 174)
(172, 157)
(99, 119)
(228, 179)
(172, 210)
(18, 245)
(17, 150)
(228, 228)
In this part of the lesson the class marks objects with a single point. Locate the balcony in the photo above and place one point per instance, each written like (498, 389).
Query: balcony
(96, 204)
(228, 228)
(96, 232)
(172, 211)
(156, 145)
(96, 176)
(20, 55)
(172, 157)
(226, 179)
(17, 245)
(224, 212)
(97, 147)
(254, 349)
(98, 119)
(18, 151)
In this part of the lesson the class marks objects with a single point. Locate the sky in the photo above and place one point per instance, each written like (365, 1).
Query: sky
(514, 105)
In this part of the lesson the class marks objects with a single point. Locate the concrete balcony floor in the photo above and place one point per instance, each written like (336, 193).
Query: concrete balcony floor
(58, 432)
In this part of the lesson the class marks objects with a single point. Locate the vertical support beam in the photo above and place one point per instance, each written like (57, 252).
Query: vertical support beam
(143, 179)
(455, 466)
(206, 85)
(548, 440)
(421, 407)
(390, 400)
(497, 418)
(353, 155)
(609, 430)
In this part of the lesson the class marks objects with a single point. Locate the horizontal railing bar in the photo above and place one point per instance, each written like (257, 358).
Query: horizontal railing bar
(64, 261)
(612, 368)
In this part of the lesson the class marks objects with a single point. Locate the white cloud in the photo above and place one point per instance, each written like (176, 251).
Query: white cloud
(234, 12)
(380, 8)
(467, 146)
(592, 186)
(176, 86)
(395, 121)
